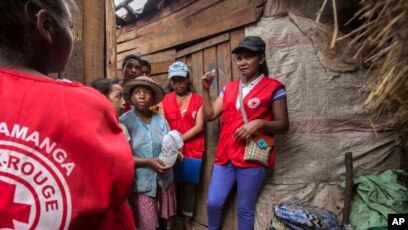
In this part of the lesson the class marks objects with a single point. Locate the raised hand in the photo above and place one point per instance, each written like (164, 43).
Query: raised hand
(207, 79)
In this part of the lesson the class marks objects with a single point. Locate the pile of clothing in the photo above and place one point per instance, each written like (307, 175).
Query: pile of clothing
(298, 215)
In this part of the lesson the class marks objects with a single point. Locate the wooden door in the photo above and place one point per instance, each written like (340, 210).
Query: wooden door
(199, 58)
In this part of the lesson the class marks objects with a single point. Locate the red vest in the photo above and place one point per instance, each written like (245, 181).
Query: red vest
(64, 161)
(183, 124)
(257, 104)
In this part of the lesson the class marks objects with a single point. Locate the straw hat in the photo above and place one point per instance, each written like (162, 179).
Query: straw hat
(143, 81)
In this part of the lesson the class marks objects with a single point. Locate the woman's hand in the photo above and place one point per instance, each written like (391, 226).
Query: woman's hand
(207, 79)
(246, 131)
(157, 164)
(180, 157)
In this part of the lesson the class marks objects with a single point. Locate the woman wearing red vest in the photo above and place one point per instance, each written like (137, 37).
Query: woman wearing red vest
(64, 161)
(264, 102)
(182, 109)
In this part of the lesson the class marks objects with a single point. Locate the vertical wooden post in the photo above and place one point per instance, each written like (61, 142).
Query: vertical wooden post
(94, 40)
(348, 193)
(110, 19)
(75, 67)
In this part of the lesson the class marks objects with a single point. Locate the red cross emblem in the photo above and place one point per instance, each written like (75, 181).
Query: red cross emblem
(9, 210)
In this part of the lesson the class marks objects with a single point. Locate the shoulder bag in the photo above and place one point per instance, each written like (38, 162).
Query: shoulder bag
(259, 147)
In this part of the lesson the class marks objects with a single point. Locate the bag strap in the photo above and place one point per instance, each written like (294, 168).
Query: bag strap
(241, 104)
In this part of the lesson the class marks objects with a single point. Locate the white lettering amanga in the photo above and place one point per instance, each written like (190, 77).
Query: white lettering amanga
(18, 132)
(46, 143)
(35, 138)
(4, 129)
(58, 155)
(69, 167)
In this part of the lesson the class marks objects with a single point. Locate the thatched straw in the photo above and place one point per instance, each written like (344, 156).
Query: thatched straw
(382, 41)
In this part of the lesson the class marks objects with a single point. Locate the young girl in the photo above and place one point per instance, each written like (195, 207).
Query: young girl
(153, 193)
(182, 109)
(57, 171)
(112, 89)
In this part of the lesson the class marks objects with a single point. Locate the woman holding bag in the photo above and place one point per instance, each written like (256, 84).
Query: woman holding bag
(264, 104)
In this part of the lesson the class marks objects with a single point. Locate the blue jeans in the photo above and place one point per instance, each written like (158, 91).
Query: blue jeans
(249, 183)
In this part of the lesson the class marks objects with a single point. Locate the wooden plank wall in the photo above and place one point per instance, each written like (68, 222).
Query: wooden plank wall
(200, 33)
(87, 61)
(198, 61)
(189, 22)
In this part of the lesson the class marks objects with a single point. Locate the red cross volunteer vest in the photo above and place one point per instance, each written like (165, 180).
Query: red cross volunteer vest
(194, 147)
(64, 161)
(257, 104)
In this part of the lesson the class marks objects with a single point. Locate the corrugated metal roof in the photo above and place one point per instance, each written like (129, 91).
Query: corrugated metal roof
(128, 11)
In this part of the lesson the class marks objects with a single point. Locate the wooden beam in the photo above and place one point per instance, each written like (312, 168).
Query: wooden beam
(203, 45)
(219, 18)
(224, 73)
(236, 37)
(135, 30)
(160, 79)
(74, 70)
(160, 67)
(197, 70)
(94, 40)
(167, 55)
(110, 25)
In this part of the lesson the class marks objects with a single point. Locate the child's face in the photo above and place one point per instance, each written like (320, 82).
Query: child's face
(142, 98)
(179, 84)
(146, 71)
(116, 99)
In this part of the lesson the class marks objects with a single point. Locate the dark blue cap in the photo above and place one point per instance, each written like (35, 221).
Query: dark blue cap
(251, 43)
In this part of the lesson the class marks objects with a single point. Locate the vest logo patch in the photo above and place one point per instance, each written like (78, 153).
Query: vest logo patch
(254, 103)
(34, 188)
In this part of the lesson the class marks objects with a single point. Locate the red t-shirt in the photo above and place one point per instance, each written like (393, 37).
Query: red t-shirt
(64, 161)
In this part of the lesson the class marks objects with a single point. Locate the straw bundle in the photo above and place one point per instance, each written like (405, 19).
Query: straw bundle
(382, 43)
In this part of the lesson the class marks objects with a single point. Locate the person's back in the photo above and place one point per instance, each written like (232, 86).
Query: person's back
(57, 170)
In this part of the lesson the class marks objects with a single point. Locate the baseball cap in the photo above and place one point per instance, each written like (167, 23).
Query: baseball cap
(178, 69)
(251, 43)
